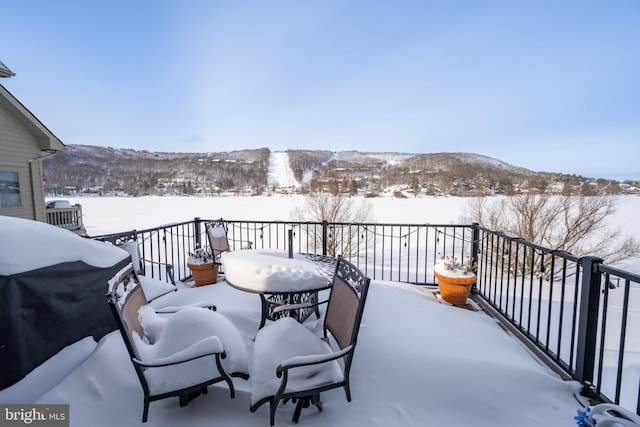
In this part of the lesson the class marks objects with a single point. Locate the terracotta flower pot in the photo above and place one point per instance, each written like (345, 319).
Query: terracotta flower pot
(455, 290)
(204, 274)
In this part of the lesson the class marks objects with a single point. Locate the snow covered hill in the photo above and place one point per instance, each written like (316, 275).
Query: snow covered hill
(105, 170)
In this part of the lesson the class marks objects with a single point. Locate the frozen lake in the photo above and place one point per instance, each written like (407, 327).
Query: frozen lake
(103, 215)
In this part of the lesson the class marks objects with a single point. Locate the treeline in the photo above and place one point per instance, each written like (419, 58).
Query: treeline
(458, 174)
(106, 170)
(109, 170)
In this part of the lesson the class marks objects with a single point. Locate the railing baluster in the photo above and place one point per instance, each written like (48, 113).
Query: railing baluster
(506, 278)
(623, 333)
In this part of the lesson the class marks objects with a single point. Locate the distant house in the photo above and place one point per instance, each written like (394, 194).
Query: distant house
(24, 143)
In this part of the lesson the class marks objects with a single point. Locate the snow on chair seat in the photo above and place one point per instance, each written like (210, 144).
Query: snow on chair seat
(178, 356)
(290, 362)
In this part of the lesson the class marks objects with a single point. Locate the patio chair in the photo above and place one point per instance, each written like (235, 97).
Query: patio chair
(153, 289)
(187, 372)
(291, 362)
(217, 233)
(218, 241)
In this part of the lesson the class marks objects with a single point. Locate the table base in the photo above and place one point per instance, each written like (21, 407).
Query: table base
(271, 301)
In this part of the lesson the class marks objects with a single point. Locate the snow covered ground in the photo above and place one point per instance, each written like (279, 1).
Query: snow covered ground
(418, 361)
(103, 215)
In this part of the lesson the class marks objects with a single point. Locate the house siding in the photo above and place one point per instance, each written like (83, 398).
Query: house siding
(19, 152)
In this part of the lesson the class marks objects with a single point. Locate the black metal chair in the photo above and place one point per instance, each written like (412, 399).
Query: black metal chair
(126, 297)
(218, 240)
(310, 364)
(128, 241)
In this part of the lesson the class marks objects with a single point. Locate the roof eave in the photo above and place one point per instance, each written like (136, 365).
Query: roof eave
(5, 71)
(46, 139)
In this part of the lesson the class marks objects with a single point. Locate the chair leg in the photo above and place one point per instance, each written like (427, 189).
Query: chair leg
(303, 402)
(317, 309)
(184, 400)
(145, 411)
(273, 405)
(264, 311)
(315, 399)
(232, 389)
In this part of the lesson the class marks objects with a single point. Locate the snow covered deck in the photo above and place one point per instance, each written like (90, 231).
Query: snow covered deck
(418, 362)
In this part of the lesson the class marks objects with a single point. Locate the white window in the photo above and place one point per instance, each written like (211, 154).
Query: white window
(9, 190)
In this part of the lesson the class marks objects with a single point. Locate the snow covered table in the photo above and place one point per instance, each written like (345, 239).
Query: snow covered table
(279, 279)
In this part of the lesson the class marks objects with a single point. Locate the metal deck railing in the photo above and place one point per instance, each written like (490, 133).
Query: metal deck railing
(574, 312)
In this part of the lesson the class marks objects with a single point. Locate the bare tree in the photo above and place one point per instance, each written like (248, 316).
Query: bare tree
(574, 224)
(344, 216)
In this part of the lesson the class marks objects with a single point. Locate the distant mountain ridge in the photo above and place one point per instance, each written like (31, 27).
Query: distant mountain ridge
(106, 170)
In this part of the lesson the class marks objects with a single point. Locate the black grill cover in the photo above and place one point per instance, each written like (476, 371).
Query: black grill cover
(43, 311)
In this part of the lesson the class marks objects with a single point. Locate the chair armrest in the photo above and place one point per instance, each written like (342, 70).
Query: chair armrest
(289, 307)
(205, 347)
(314, 359)
(162, 294)
(168, 268)
(175, 308)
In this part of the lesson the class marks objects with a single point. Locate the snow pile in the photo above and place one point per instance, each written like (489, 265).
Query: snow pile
(217, 231)
(190, 328)
(272, 271)
(53, 246)
(283, 340)
(200, 256)
(451, 268)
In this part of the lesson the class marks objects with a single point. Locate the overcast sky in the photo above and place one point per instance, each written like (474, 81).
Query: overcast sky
(547, 85)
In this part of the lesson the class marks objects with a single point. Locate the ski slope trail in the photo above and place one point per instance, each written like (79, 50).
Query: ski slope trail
(280, 174)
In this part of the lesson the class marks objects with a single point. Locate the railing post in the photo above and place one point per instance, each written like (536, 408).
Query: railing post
(196, 231)
(79, 214)
(325, 236)
(588, 319)
(290, 242)
(475, 242)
